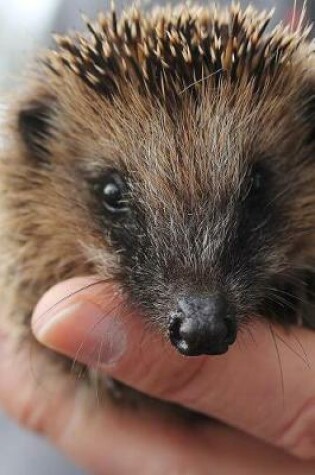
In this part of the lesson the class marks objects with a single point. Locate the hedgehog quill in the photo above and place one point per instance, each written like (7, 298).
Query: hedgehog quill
(172, 151)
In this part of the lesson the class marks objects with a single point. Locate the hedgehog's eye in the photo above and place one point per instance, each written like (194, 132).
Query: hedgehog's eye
(111, 190)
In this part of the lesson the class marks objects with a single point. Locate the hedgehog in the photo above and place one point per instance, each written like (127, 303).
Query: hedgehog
(172, 151)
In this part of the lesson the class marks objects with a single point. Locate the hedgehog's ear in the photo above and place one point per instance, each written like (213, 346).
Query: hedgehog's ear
(35, 123)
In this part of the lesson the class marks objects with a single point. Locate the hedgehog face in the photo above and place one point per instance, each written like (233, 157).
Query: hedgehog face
(198, 237)
(190, 211)
(198, 200)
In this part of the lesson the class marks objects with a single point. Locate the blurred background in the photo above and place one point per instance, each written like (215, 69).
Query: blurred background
(26, 26)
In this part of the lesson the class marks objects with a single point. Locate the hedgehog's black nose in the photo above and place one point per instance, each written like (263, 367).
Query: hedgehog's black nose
(203, 326)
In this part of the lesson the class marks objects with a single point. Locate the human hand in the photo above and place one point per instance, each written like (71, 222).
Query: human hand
(242, 388)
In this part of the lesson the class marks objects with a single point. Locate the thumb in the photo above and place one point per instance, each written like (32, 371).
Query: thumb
(91, 323)
(264, 386)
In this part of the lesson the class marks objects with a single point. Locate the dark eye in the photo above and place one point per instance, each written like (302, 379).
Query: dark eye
(112, 192)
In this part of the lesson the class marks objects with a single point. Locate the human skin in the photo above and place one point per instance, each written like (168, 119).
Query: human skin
(245, 389)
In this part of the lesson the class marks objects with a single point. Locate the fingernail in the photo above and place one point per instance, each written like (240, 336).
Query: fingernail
(84, 332)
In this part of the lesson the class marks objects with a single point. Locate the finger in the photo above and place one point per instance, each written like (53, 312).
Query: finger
(265, 385)
(113, 440)
(110, 439)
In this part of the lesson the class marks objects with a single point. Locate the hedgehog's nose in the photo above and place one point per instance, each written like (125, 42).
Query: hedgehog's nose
(203, 326)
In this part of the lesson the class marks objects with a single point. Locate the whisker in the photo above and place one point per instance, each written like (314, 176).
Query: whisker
(306, 362)
(279, 360)
(98, 366)
(92, 329)
(302, 348)
(72, 294)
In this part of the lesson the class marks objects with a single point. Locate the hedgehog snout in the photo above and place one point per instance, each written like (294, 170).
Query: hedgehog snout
(203, 326)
